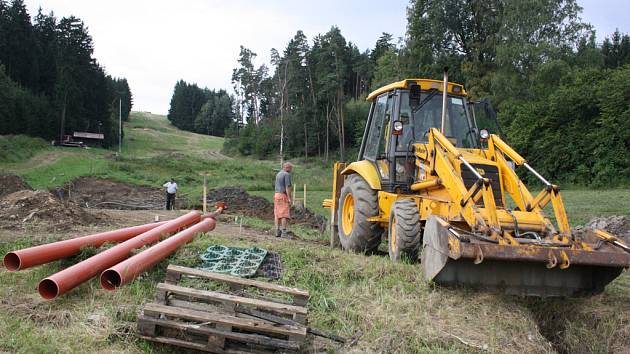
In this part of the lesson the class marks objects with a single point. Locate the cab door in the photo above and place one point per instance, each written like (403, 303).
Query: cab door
(378, 135)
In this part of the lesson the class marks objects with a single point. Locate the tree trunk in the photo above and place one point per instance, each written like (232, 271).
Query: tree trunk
(340, 128)
(327, 127)
(305, 142)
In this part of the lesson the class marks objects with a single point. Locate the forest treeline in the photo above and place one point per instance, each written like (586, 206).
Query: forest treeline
(563, 99)
(50, 83)
(200, 110)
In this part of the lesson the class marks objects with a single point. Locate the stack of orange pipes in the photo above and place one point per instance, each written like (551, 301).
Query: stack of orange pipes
(114, 264)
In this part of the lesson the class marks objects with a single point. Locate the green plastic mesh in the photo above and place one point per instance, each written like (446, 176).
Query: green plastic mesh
(240, 262)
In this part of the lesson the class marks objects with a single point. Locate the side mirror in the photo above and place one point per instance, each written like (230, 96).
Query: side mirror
(414, 96)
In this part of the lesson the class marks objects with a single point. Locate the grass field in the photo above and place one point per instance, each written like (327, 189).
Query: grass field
(390, 304)
(153, 151)
(393, 308)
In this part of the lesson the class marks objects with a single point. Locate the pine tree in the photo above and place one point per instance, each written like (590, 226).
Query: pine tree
(19, 54)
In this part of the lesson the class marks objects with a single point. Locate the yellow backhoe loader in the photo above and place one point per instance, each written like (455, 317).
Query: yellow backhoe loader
(435, 178)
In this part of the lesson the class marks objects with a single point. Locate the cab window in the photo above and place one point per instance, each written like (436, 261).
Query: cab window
(457, 126)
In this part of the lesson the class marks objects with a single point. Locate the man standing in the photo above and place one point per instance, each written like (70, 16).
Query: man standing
(171, 190)
(282, 200)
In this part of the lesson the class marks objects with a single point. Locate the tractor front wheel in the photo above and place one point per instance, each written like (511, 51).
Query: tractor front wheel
(405, 230)
(357, 203)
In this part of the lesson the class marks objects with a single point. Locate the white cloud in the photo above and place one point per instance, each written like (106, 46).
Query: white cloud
(155, 43)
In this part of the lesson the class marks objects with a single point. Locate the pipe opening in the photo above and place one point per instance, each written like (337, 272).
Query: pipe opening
(110, 280)
(48, 289)
(12, 261)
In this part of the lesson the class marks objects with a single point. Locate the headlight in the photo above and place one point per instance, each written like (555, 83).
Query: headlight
(483, 133)
(398, 127)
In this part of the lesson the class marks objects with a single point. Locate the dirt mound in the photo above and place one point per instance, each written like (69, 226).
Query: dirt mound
(92, 192)
(34, 208)
(238, 200)
(618, 225)
(11, 184)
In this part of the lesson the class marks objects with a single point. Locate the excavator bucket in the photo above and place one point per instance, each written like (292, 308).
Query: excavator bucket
(452, 257)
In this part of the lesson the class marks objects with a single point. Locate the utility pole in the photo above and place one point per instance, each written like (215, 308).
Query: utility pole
(120, 126)
(281, 141)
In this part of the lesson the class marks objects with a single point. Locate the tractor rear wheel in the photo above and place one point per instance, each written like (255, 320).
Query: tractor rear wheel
(357, 203)
(405, 230)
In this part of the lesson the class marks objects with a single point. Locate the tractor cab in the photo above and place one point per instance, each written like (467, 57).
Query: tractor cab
(402, 115)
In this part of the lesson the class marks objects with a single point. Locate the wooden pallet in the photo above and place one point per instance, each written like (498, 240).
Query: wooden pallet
(175, 272)
(219, 322)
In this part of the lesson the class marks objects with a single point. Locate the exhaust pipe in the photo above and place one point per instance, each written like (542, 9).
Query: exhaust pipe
(444, 100)
(33, 256)
(67, 279)
(127, 270)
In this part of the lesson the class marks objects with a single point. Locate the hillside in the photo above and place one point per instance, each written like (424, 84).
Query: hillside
(386, 306)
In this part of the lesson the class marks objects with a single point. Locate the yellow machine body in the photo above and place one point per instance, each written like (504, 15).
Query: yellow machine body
(480, 224)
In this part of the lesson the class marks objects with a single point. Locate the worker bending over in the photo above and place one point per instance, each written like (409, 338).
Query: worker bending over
(171, 191)
(282, 200)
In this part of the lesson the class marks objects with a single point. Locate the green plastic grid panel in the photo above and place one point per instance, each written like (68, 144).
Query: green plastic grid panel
(240, 262)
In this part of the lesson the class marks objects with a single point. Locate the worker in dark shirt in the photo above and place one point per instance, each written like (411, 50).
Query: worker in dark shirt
(282, 200)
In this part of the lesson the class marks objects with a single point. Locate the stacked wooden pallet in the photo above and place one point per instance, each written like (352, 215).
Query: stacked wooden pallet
(243, 319)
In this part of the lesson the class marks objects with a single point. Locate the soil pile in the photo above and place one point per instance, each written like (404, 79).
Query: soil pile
(91, 192)
(11, 184)
(239, 201)
(618, 225)
(39, 208)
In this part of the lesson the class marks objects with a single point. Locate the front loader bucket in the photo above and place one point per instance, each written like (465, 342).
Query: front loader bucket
(451, 258)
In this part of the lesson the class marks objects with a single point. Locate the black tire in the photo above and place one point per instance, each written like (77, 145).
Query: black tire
(404, 220)
(363, 236)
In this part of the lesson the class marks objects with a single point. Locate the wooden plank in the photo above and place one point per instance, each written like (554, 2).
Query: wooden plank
(153, 309)
(231, 299)
(194, 305)
(161, 297)
(242, 312)
(172, 278)
(237, 281)
(248, 338)
(192, 345)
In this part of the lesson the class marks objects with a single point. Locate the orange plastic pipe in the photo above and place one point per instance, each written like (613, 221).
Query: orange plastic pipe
(126, 271)
(65, 280)
(33, 256)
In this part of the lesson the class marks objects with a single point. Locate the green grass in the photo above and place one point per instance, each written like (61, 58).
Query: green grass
(64, 170)
(585, 204)
(16, 148)
(390, 304)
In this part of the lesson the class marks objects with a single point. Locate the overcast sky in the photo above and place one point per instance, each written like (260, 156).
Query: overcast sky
(155, 43)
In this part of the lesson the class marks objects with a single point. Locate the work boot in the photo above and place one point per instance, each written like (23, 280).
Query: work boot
(285, 233)
(278, 232)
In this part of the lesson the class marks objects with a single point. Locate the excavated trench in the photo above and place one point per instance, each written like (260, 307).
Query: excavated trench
(597, 323)
(98, 193)
(552, 318)
(92, 192)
